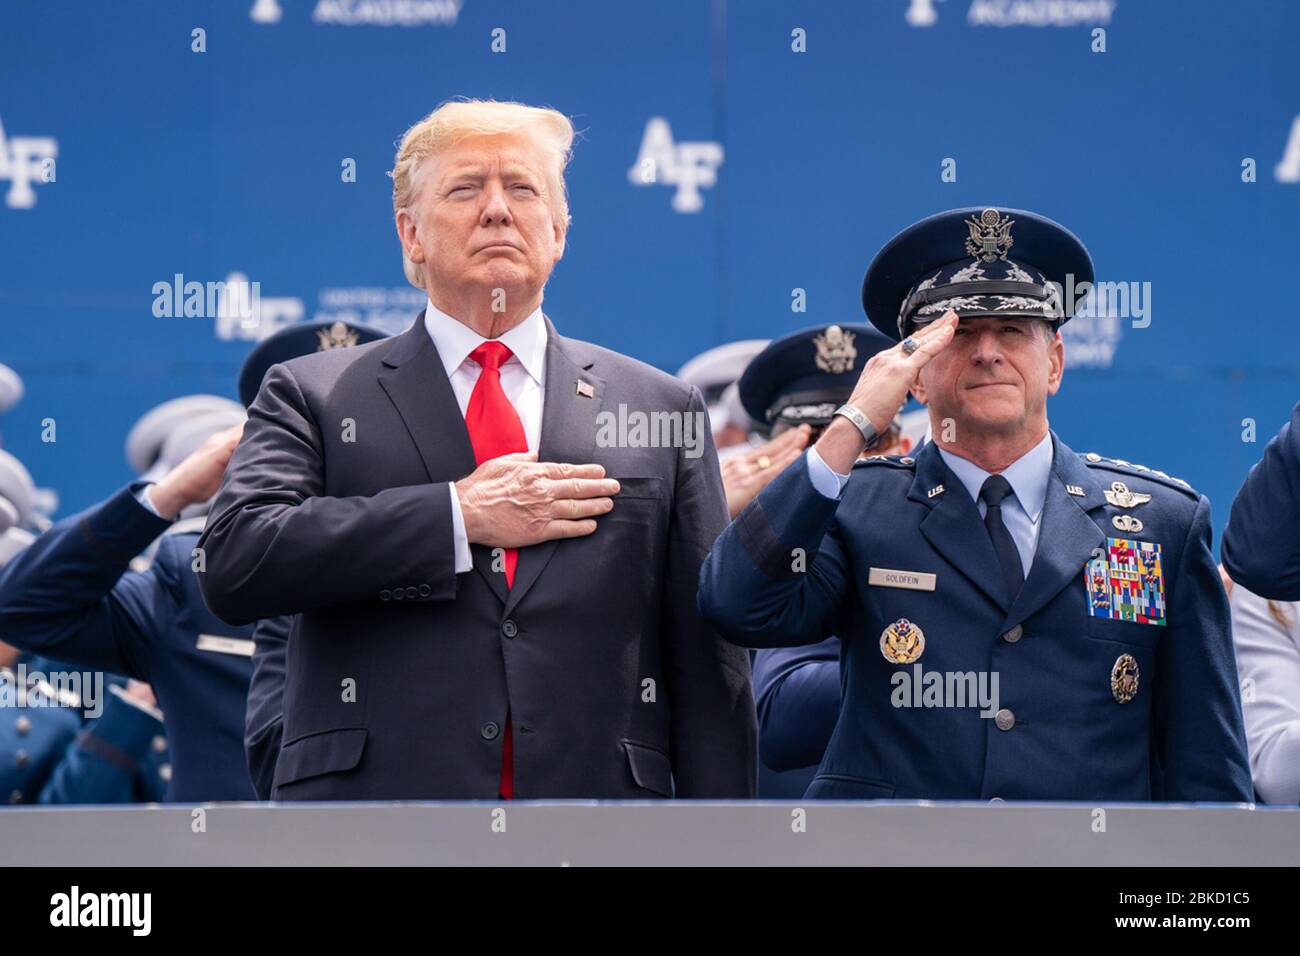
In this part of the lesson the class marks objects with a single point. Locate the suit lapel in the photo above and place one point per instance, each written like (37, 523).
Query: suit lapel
(416, 382)
(954, 527)
(568, 435)
(1068, 535)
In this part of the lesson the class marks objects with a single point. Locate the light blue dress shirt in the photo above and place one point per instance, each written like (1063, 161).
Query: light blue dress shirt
(1022, 512)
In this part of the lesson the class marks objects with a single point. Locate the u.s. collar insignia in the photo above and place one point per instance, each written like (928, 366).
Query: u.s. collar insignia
(902, 642)
(1124, 678)
(1075, 490)
(337, 336)
(1119, 495)
(990, 236)
(835, 351)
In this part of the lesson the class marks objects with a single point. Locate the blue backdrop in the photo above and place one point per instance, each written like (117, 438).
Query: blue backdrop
(832, 121)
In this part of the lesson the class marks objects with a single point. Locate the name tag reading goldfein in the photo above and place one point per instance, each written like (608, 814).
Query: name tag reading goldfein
(889, 578)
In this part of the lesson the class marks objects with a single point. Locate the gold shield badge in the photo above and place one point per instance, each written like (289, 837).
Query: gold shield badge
(902, 642)
(1124, 678)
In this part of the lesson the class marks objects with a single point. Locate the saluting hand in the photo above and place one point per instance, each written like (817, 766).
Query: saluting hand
(198, 477)
(514, 501)
(747, 473)
(881, 391)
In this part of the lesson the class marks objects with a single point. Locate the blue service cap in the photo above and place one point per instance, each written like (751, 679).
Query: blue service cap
(293, 341)
(805, 376)
(963, 260)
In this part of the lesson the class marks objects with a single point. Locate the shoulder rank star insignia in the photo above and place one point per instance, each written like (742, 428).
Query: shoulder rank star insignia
(1127, 524)
(337, 336)
(902, 642)
(1119, 495)
(1075, 490)
(835, 351)
(990, 236)
(1124, 678)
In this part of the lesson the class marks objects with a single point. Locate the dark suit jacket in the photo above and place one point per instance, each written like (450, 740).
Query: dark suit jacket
(400, 673)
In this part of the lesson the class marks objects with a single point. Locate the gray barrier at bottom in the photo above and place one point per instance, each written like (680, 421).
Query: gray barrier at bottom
(810, 833)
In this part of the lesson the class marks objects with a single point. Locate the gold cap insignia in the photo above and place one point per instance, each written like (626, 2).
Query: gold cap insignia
(1119, 495)
(337, 336)
(835, 351)
(1124, 678)
(990, 235)
(902, 642)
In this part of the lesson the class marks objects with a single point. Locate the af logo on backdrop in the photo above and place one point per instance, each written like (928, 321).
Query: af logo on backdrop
(688, 166)
(24, 161)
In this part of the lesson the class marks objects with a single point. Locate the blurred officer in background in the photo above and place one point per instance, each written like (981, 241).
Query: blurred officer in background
(793, 388)
(71, 595)
(49, 751)
(1076, 650)
(1261, 544)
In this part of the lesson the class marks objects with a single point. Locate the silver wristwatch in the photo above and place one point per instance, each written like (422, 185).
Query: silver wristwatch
(863, 423)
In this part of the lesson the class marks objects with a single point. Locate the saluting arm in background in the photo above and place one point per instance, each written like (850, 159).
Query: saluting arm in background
(750, 587)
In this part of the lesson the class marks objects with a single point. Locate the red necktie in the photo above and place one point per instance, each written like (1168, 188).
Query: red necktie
(495, 430)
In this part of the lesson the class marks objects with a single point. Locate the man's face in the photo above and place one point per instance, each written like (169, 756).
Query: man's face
(482, 217)
(994, 376)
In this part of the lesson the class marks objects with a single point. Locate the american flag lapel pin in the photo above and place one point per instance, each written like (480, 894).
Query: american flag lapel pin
(585, 389)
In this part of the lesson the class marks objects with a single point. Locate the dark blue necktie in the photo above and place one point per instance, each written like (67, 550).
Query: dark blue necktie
(995, 489)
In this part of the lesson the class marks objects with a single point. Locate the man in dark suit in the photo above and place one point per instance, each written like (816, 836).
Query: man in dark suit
(491, 534)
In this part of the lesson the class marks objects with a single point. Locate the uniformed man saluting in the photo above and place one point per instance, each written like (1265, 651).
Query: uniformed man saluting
(1020, 621)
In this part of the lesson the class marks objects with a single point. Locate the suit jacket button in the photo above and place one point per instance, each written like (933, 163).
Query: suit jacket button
(490, 730)
(412, 592)
(159, 743)
(21, 759)
(1005, 719)
(996, 800)
(385, 595)
(23, 725)
(425, 590)
(1014, 634)
(509, 629)
(15, 796)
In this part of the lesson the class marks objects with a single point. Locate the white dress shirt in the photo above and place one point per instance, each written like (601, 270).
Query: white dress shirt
(1022, 511)
(522, 379)
(1268, 661)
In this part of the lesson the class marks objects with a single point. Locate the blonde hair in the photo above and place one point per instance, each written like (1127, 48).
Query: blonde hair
(453, 121)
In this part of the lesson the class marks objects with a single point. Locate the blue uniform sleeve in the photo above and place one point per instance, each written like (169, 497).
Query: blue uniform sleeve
(777, 576)
(1199, 737)
(1261, 544)
(264, 717)
(797, 692)
(70, 596)
(106, 761)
